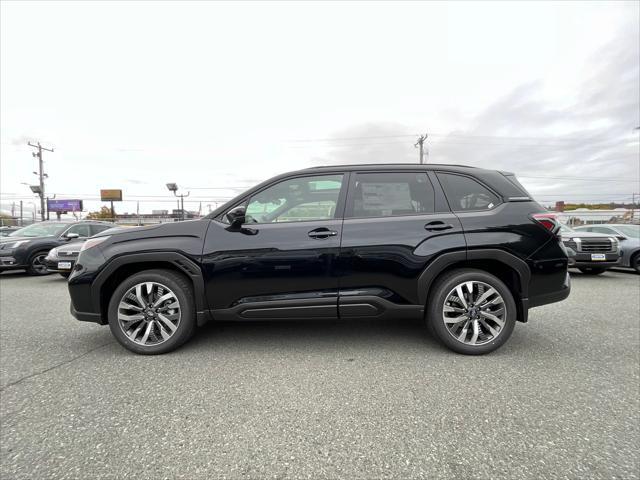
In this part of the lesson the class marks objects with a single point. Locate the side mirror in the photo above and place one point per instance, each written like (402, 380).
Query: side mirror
(236, 217)
(71, 236)
(621, 237)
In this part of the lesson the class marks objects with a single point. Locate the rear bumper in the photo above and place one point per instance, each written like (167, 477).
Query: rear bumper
(86, 316)
(552, 297)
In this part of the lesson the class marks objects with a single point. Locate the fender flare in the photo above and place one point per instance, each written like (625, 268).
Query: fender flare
(182, 262)
(445, 260)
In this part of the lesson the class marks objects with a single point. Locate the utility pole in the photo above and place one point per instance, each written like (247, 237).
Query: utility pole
(20, 212)
(40, 173)
(420, 144)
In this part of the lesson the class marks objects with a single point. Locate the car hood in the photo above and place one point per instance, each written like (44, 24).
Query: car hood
(17, 239)
(586, 235)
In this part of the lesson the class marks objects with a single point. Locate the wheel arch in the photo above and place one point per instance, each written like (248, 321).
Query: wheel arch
(126, 265)
(513, 271)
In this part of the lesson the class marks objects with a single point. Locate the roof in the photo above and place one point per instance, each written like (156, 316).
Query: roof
(401, 166)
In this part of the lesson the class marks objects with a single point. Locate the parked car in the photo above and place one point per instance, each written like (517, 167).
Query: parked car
(62, 259)
(628, 236)
(27, 248)
(591, 253)
(461, 247)
(5, 231)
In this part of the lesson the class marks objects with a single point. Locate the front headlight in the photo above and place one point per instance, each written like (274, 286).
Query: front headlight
(18, 243)
(92, 242)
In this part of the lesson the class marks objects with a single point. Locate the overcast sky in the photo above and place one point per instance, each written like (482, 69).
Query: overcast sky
(217, 97)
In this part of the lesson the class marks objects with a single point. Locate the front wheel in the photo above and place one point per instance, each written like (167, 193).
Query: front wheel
(37, 265)
(471, 311)
(592, 270)
(635, 262)
(152, 312)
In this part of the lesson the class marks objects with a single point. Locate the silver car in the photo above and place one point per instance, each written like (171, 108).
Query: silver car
(628, 236)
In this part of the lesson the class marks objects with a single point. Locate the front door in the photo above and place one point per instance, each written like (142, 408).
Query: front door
(281, 262)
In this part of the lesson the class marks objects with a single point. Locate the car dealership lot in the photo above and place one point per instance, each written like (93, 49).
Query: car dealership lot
(374, 399)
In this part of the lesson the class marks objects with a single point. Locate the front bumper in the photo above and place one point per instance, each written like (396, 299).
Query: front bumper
(585, 260)
(53, 264)
(8, 262)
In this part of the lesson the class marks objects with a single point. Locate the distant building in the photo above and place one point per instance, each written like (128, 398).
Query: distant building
(154, 217)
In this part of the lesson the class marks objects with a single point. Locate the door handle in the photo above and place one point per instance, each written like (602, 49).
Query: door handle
(437, 226)
(320, 233)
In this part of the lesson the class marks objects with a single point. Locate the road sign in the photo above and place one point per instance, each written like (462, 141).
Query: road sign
(111, 195)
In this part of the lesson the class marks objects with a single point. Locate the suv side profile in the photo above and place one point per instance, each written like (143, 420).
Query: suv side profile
(465, 249)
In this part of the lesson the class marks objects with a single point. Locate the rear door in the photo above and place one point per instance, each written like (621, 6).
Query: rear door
(396, 222)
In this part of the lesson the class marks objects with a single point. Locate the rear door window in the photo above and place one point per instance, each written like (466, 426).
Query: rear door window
(466, 194)
(390, 194)
(95, 228)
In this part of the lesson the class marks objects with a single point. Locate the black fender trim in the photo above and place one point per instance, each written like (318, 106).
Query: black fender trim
(447, 259)
(183, 263)
(434, 269)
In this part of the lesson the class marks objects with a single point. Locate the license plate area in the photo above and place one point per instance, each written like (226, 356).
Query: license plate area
(64, 265)
(598, 257)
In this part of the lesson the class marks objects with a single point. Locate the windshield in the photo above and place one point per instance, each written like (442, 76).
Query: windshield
(565, 229)
(629, 230)
(40, 230)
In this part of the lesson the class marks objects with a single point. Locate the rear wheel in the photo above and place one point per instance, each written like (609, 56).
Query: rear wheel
(592, 270)
(471, 312)
(152, 312)
(635, 262)
(37, 265)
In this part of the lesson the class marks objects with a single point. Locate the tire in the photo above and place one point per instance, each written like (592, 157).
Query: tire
(162, 321)
(36, 264)
(64, 274)
(635, 262)
(592, 270)
(486, 339)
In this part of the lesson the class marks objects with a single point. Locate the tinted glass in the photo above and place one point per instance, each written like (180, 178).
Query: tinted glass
(464, 193)
(391, 194)
(602, 230)
(630, 230)
(296, 200)
(81, 229)
(45, 229)
(95, 229)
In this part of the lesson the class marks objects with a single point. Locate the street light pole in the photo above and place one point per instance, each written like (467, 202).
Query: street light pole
(41, 173)
(173, 187)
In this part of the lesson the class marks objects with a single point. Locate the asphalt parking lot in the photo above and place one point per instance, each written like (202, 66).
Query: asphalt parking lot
(322, 399)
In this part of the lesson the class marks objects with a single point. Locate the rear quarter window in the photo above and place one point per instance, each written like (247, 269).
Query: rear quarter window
(467, 194)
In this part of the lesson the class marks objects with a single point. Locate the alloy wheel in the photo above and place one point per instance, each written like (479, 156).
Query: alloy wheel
(38, 265)
(474, 313)
(149, 313)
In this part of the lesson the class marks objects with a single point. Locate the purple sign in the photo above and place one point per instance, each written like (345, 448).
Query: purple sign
(54, 205)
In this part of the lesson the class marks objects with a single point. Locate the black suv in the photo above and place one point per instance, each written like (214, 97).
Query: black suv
(26, 249)
(464, 248)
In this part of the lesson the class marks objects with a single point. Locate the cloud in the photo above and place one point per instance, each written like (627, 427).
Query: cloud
(525, 132)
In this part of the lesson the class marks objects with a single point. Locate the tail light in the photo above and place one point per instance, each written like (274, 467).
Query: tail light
(548, 221)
